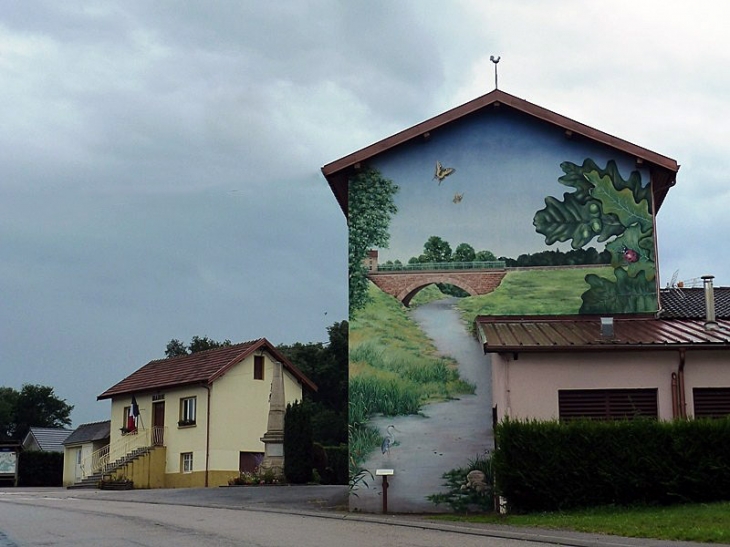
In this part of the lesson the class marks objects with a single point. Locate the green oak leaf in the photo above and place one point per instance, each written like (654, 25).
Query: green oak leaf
(574, 177)
(633, 183)
(575, 220)
(620, 202)
(634, 252)
(625, 295)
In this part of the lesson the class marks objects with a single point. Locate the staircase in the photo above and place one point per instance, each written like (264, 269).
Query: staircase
(108, 459)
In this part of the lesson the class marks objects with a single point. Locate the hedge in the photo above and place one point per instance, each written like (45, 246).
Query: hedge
(543, 466)
(36, 468)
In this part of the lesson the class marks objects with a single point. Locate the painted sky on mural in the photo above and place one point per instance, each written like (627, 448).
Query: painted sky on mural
(159, 162)
(502, 166)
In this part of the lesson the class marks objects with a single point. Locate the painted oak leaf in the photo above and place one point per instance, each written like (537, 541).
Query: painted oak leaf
(576, 220)
(620, 202)
(625, 295)
(575, 177)
(634, 252)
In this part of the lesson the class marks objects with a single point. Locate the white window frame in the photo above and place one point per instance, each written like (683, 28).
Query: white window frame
(186, 462)
(188, 410)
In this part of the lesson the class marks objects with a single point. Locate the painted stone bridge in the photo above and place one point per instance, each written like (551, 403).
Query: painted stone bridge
(405, 284)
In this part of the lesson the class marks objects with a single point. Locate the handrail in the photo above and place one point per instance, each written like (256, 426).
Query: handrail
(99, 460)
(486, 265)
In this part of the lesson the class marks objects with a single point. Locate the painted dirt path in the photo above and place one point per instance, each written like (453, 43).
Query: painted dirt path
(447, 435)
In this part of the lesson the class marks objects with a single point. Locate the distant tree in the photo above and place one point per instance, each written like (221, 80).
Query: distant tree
(437, 250)
(370, 207)
(463, 253)
(35, 406)
(201, 344)
(327, 366)
(176, 348)
(8, 398)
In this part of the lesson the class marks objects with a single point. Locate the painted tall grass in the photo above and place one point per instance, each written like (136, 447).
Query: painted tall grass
(394, 370)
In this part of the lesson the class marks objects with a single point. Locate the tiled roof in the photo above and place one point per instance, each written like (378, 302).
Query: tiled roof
(48, 439)
(338, 171)
(689, 303)
(540, 333)
(96, 431)
(203, 367)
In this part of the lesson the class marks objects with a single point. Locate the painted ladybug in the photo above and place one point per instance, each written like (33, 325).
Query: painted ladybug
(630, 255)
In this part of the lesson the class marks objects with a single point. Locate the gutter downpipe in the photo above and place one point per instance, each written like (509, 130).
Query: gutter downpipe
(681, 399)
(207, 435)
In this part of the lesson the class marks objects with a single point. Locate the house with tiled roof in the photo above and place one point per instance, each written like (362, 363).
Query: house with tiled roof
(47, 439)
(80, 447)
(570, 315)
(195, 420)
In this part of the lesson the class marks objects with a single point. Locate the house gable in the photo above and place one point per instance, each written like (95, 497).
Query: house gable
(337, 173)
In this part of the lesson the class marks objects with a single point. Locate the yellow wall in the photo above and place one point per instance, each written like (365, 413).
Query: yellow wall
(238, 419)
(147, 471)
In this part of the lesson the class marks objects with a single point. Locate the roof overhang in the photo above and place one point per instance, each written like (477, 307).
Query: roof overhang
(541, 334)
(663, 170)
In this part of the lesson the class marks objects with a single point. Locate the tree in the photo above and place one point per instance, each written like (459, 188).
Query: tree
(370, 207)
(176, 348)
(201, 344)
(8, 398)
(327, 366)
(33, 406)
(436, 250)
(464, 253)
(298, 444)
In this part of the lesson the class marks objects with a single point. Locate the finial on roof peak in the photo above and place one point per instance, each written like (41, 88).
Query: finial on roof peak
(495, 60)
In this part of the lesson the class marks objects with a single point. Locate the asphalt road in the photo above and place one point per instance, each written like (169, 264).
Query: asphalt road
(262, 517)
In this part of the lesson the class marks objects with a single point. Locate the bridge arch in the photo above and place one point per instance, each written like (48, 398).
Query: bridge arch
(412, 290)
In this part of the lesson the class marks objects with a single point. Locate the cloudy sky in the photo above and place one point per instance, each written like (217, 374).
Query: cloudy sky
(159, 161)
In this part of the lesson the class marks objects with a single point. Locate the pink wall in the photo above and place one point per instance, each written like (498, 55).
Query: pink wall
(528, 387)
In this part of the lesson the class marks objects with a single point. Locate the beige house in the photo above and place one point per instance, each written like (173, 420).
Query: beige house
(665, 366)
(79, 449)
(194, 420)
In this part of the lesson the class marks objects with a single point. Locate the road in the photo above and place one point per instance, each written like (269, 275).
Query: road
(57, 517)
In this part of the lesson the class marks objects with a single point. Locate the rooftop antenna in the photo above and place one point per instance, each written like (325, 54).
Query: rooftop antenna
(495, 60)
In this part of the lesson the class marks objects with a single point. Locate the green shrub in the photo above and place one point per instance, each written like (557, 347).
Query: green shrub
(297, 444)
(542, 466)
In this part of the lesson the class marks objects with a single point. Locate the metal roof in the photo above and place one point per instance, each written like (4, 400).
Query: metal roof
(663, 169)
(583, 333)
(95, 431)
(203, 367)
(48, 439)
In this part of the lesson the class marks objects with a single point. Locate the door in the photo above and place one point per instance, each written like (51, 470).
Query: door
(78, 472)
(158, 423)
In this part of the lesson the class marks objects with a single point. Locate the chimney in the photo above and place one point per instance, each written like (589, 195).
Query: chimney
(607, 327)
(710, 323)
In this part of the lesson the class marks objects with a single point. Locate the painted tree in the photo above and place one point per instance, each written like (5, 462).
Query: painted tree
(370, 206)
(437, 250)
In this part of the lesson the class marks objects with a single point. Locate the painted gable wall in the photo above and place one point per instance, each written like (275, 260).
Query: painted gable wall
(506, 164)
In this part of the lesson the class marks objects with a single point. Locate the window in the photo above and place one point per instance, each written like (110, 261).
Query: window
(607, 404)
(258, 367)
(187, 411)
(186, 462)
(711, 402)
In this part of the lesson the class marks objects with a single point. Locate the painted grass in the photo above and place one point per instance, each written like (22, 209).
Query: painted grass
(533, 292)
(394, 369)
(707, 523)
(426, 295)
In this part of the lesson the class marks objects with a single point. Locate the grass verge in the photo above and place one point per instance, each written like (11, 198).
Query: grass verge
(707, 523)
